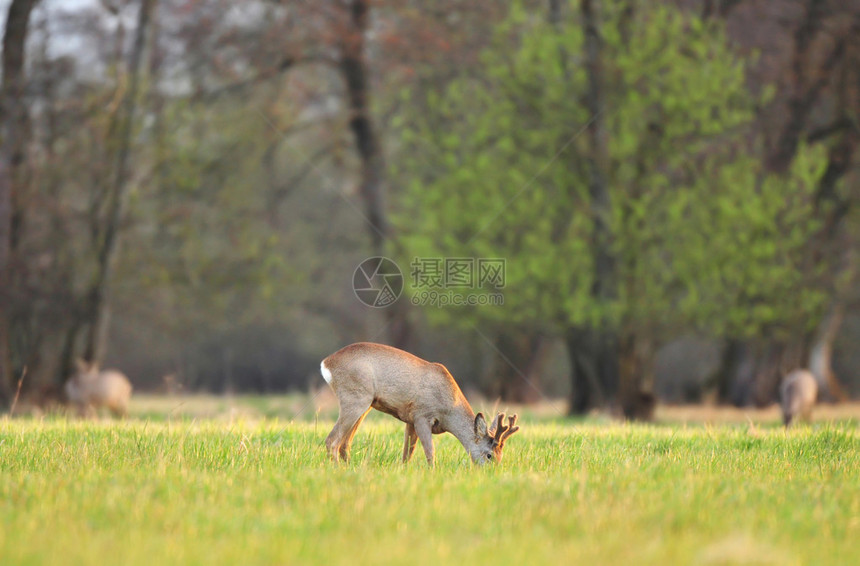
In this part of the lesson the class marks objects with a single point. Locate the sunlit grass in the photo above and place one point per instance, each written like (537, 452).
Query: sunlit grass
(211, 492)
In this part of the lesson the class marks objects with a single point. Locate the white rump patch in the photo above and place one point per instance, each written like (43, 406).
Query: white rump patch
(325, 372)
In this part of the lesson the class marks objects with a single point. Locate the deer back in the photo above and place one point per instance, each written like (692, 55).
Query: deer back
(395, 377)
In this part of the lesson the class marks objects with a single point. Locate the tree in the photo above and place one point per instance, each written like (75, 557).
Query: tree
(680, 183)
(108, 232)
(602, 360)
(13, 118)
(813, 105)
(353, 68)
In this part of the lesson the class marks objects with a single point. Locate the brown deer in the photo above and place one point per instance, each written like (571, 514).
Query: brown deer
(420, 393)
(89, 389)
(798, 392)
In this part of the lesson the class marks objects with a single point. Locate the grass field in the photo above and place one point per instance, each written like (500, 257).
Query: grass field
(261, 492)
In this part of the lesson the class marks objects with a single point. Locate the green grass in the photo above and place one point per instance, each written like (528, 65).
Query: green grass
(219, 493)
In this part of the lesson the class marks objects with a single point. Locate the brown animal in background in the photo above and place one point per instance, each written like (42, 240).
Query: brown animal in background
(90, 389)
(420, 393)
(798, 392)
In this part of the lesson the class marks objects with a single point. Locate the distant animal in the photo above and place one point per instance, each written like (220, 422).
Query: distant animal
(422, 394)
(90, 389)
(798, 392)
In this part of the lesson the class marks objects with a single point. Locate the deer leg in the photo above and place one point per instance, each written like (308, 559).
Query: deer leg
(425, 434)
(350, 416)
(347, 441)
(409, 443)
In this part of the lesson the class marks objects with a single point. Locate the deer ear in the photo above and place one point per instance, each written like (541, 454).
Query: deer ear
(82, 365)
(480, 425)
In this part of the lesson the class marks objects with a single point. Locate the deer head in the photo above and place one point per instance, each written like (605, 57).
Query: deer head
(490, 441)
(85, 370)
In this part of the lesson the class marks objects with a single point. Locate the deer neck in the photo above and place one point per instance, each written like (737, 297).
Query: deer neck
(461, 424)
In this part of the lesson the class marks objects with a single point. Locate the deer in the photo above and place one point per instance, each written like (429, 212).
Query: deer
(422, 394)
(90, 389)
(798, 392)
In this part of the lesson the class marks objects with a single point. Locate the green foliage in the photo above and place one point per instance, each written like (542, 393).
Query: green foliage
(743, 266)
(207, 493)
(207, 232)
(496, 165)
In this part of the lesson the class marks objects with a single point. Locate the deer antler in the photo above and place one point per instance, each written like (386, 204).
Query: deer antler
(499, 429)
(508, 430)
(497, 421)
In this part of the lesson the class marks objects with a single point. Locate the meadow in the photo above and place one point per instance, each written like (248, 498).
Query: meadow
(261, 491)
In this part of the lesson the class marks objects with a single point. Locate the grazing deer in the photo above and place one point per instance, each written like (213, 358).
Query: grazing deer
(798, 392)
(90, 389)
(420, 393)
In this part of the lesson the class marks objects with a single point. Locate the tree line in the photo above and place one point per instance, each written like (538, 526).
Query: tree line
(188, 188)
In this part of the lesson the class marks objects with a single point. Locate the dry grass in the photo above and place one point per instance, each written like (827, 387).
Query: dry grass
(322, 405)
(712, 414)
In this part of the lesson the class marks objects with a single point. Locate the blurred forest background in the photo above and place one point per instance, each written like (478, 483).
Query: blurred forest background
(187, 187)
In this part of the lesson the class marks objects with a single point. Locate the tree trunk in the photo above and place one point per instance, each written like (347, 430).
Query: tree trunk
(353, 67)
(774, 360)
(109, 245)
(636, 373)
(516, 372)
(805, 82)
(731, 370)
(750, 372)
(593, 351)
(12, 118)
(605, 339)
(554, 14)
(586, 390)
(66, 364)
(821, 356)
(720, 8)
